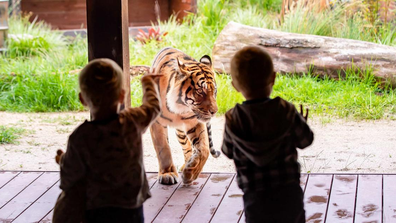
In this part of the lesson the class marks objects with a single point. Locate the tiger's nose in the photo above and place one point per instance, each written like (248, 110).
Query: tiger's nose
(213, 111)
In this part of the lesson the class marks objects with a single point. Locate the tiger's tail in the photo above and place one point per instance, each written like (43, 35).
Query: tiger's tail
(215, 153)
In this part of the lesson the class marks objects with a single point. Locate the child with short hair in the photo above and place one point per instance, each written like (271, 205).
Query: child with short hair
(261, 136)
(105, 154)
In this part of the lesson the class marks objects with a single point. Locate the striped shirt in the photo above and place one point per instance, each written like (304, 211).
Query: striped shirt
(261, 137)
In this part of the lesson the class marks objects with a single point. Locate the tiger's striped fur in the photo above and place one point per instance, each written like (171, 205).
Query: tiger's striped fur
(188, 101)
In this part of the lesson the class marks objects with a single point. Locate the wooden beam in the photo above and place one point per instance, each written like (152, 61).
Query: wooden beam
(107, 26)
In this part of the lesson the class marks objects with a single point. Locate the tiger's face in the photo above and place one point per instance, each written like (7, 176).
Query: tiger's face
(196, 89)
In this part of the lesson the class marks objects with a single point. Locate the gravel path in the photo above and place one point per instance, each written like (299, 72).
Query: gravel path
(339, 146)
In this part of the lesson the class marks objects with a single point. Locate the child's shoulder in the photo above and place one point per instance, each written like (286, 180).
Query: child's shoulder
(283, 101)
(81, 131)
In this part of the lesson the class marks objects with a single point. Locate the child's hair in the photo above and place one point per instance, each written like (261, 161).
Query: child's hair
(101, 82)
(252, 68)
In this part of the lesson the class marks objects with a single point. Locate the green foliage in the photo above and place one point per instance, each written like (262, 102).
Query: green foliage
(227, 96)
(9, 135)
(136, 91)
(213, 13)
(31, 38)
(40, 73)
(358, 95)
(43, 92)
(40, 79)
(306, 22)
(262, 5)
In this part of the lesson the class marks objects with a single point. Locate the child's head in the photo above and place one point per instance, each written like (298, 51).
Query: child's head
(101, 84)
(252, 71)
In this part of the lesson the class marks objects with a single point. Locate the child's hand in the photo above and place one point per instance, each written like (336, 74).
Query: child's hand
(58, 156)
(302, 112)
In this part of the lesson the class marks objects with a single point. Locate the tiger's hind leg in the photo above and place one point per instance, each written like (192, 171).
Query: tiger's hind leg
(199, 137)
(167, 173)
(186, 145)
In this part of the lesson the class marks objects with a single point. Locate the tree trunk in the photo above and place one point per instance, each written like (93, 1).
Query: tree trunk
(299, 53)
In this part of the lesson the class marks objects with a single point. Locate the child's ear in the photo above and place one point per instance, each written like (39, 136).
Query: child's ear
(82, 99)
(273, 77)
(232, 82)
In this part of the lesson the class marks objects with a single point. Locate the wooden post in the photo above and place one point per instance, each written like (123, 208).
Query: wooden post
(107, 27)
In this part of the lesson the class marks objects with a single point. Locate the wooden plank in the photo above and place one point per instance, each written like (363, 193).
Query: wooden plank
(342, 200)
(151, 178)
(14, 187)
(369, 199)
(316, 197)
(303, 181)
(24, 199)
(5, 177)
(180, 202)
(243, 218)
(47, 218)
(160, 194)
(41, 207)
(231, 207)
(209, 199)
(389, 195)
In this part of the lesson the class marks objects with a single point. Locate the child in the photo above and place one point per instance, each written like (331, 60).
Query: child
(261, 135)
(105, 155)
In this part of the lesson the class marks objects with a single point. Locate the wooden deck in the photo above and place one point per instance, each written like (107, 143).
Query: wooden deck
(214, 197)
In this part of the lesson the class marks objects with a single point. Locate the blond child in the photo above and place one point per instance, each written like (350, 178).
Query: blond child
(261, 136)
(104, 157)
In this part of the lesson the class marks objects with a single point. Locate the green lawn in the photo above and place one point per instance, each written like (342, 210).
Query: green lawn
(39, 72)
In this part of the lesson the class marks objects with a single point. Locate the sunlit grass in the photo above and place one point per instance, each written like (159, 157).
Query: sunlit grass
(41, 78)
(9, 135)
(353, 97)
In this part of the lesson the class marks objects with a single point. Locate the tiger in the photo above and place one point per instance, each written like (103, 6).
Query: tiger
(188, 102)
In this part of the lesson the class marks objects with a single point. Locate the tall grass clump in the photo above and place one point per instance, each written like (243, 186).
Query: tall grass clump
(9, 135)
(45, 92)
(303, 21)
(31, 38)
(38, 78)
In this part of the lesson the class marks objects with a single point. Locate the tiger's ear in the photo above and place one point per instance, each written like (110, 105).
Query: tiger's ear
(206, 60)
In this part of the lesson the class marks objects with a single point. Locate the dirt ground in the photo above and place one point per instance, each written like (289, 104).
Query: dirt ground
(339, 145)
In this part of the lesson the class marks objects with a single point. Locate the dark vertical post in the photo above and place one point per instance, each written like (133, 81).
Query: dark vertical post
(107, 26)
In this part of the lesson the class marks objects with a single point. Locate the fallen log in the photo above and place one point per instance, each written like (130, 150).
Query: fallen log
(300, 53)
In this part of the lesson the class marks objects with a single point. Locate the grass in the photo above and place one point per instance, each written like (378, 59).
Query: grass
(353, 97)
(38, 79)
(37, 75)
(9, 135)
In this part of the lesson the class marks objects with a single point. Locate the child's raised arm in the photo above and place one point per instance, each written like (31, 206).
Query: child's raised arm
(151, 105)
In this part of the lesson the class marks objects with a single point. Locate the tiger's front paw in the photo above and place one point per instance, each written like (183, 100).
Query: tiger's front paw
(168, 178)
